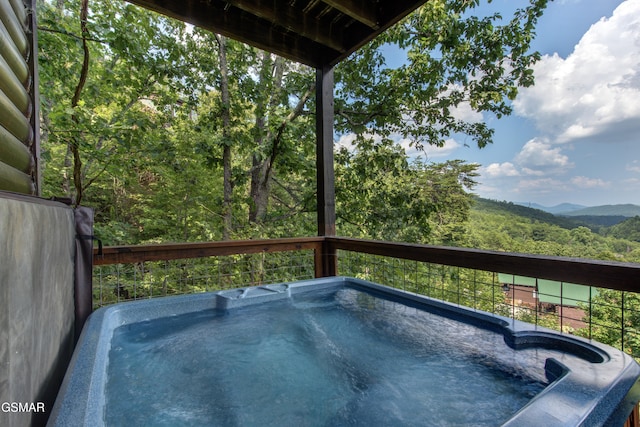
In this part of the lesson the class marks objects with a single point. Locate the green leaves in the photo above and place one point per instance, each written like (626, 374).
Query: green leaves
(149, 123)
(453, 58)
(154, 131)
(380, 195)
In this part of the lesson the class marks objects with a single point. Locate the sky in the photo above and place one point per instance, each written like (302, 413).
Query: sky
(575, 136)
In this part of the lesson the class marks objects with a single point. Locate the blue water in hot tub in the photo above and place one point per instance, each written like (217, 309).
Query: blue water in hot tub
(321, 358)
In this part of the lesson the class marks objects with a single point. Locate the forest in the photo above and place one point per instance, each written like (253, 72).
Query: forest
(175, 134)
(172, 133)
(505, 226)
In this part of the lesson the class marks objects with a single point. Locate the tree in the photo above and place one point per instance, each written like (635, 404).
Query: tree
(629, 229)
(447, 186)
(278, 82)
(132, 131)
(383, 196)
(97, 108)
(454, 60)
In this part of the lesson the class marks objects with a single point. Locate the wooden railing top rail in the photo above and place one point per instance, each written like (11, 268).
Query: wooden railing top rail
(163, 252)
(608, 274)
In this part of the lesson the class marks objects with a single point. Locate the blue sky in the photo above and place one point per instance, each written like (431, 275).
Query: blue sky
(575, 136)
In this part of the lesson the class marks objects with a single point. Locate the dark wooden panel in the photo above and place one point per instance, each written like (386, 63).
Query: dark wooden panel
(391, 12)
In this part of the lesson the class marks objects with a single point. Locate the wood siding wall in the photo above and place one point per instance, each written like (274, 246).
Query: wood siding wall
(19, 142)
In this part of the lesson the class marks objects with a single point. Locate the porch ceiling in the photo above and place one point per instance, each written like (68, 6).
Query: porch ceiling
(317, 33)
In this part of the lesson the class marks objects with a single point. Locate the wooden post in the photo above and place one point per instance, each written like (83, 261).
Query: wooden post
(326, 198)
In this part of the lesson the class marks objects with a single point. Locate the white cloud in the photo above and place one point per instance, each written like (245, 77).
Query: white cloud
(345, 141)
(463, 111)
(585, 182)
(632, 182)
(431, 151)
(495, 170)
(539, 169)
(539, 156)
(450, 145)
(634, 166)
(542, 186)
(596, 89)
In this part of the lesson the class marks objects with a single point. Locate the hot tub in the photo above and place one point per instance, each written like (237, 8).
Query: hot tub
(330, 352)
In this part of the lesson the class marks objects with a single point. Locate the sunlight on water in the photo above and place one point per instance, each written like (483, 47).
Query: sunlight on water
(325, 358)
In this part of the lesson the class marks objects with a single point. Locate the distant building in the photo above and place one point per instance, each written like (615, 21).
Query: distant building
(549, 291)
(549, 296)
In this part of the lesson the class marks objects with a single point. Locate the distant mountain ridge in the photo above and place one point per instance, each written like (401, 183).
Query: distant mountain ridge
(568, 209)
(535, 214)
(557, 209)
(627, 210)
(601, 222)
(600, 215)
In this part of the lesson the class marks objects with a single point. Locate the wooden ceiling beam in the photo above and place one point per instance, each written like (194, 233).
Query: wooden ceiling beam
(393, 11)
(223, 18)
(284, 15)
(317, 33)
(360, 10)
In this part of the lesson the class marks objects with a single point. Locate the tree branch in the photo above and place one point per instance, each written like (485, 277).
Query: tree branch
(68, 34)
(75, 143)
(299, 108)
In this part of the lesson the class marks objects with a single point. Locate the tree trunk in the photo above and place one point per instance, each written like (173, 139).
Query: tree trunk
(74, 144)
(260, 188)
(66, 181)
(262, 163)
(226, 151)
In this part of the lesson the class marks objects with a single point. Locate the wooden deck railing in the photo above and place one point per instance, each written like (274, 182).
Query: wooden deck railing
(606, 274)
(164, 252)
(612, 275)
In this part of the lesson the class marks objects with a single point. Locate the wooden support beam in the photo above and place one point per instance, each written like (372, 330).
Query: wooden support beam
(329, 259)
(319, 30)
(223, 18)
(360, 10)
(324, 153)
(326, 198)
